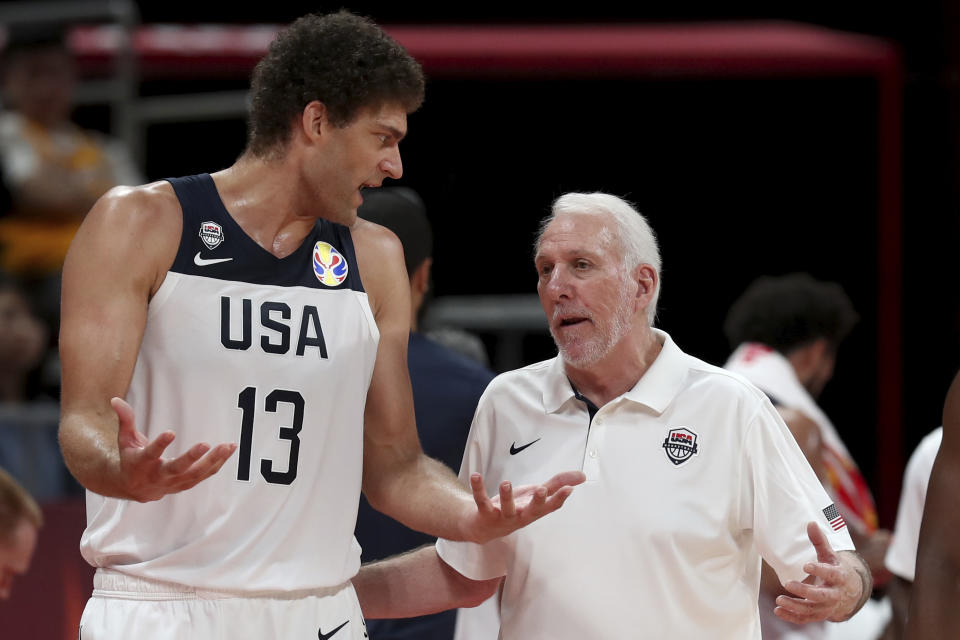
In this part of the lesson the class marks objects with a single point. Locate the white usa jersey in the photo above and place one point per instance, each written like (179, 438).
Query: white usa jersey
(276, 355)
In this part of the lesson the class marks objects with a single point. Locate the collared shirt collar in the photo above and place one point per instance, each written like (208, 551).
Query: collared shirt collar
(557, 390)
(656, 389)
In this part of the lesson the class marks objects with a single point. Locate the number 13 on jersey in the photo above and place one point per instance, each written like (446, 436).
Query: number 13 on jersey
(247, 404)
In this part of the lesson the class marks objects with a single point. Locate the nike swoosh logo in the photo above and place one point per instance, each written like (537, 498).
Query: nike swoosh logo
(201, 262)
(514, 449)
(325, 636)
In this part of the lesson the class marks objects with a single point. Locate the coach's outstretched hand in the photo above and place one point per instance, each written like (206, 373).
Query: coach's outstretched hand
(148, 475)
(838, 585)
(516, 507)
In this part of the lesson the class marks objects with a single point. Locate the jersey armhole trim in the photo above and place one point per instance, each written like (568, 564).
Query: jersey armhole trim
(363, 299)
(167, 287)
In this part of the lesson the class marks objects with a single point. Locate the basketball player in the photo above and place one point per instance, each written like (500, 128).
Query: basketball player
(934, 614)
(250, 309)
(901, 557)
(785, 333)
(692, 476)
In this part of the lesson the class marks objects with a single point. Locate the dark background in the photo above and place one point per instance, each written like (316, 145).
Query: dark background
(739, 177)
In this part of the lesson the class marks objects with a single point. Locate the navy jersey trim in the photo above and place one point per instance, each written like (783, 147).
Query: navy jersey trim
(213, 245)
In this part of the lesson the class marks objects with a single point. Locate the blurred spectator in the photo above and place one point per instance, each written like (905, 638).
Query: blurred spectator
(446, 389)
(53, 169)
(29, 412)
(901, 557)
(20, 521)
(23, 343)
(785, 332)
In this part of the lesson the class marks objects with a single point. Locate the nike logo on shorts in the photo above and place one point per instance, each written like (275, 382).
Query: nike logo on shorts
(325, 636)
(514, 449)
(202, 262)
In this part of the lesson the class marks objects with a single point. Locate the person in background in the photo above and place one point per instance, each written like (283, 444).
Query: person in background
(29, 410)
(901, 557)
(446, 388)
(23, 341)
(933, 612)
(785, 332)
(20, 522)
(53, 169)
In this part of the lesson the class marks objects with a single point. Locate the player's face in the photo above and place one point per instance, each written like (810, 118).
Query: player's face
(584, 288)
(821, 374)
(15, 555)
(360, 155)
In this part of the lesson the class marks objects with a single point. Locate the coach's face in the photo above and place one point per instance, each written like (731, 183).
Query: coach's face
(586, 293)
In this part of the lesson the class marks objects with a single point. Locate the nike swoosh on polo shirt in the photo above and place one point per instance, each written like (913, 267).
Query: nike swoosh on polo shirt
(514, 449)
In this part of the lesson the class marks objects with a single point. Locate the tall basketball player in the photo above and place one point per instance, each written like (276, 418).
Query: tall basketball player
(252, 309)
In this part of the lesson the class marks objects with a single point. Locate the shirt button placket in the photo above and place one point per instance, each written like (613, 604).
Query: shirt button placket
(591, 462)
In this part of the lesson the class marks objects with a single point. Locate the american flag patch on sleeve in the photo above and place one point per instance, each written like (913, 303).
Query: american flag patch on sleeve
(834, 518)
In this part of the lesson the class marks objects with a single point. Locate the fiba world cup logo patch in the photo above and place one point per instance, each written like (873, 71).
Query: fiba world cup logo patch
(212, 234)
(680, 445)
(329, 265)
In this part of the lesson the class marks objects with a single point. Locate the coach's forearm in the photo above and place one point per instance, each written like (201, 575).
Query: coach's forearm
(414, 584)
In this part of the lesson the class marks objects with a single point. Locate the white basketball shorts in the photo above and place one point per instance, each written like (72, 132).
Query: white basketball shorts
(123, 607)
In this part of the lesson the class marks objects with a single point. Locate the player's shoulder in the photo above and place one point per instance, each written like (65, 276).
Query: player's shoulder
(140, 224)
(372, 237)
(150, 205)
(378, 250)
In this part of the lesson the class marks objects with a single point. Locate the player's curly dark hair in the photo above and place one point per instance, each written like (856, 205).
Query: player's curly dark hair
(343, 60)
(790, 311)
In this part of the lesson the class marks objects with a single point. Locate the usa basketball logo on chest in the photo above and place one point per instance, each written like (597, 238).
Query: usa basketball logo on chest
(680, 445)
(329, 265)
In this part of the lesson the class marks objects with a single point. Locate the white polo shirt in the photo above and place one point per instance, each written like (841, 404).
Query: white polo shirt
(691, 477)
(901, 557)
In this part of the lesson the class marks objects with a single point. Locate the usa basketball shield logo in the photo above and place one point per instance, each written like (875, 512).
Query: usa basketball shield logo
(212, 234)
(680, 445)
(329, 265)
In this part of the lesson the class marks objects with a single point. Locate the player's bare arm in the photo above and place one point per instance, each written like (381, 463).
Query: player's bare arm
(116, 263)
(837, 586)
(417, 583)
(398, 478)
(933, 612)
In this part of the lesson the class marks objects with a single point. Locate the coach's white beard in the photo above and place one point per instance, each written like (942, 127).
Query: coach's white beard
(596, 348)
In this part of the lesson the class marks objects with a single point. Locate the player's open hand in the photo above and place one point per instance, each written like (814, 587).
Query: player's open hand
(832, 591)
(516, 507)
(150, 476)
